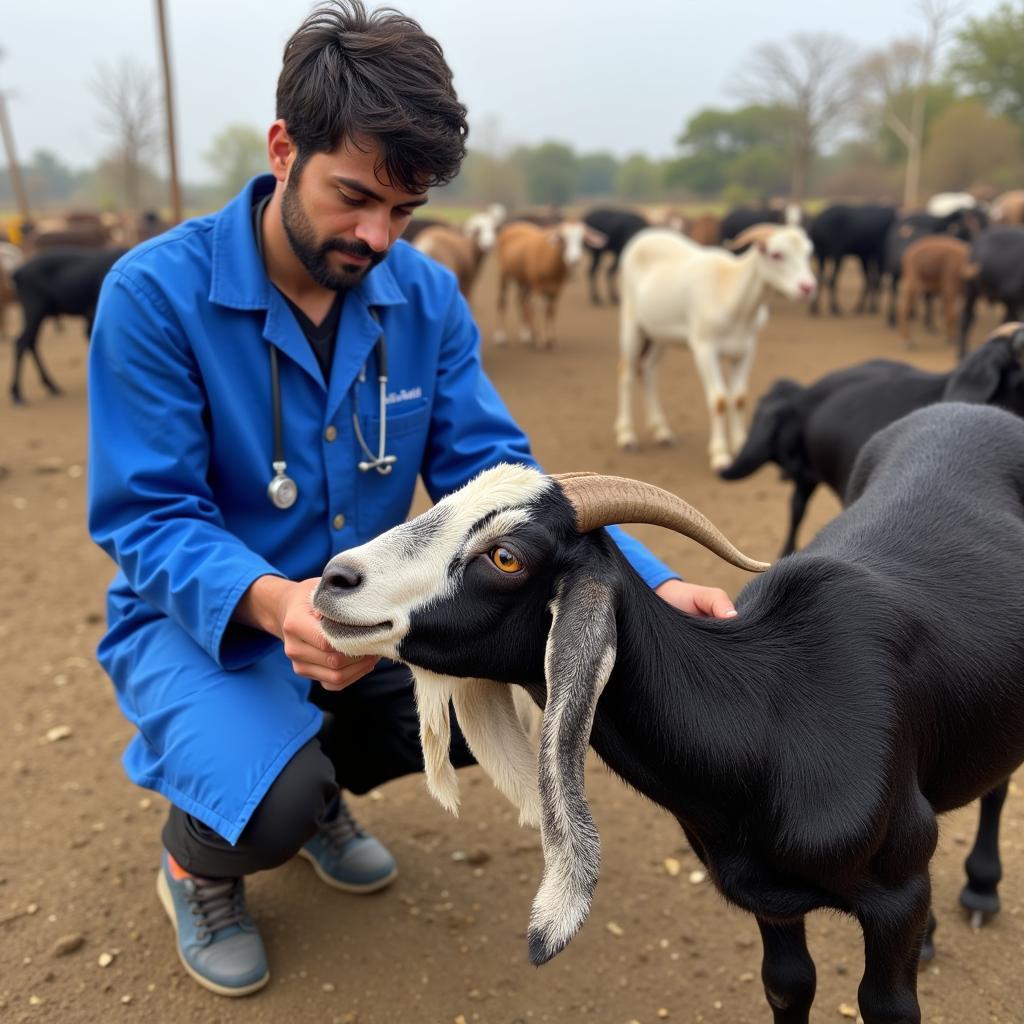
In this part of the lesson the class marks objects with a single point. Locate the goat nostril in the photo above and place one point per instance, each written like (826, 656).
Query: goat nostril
(344, 578)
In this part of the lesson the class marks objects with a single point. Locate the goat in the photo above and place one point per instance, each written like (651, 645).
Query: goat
(462, 252)
(995, 271)
(53, 283)
(538, 259)
(1008, 208)
(10, 259)
(675, 291)
(740, 218)
(962, 224)
(806, 746)
(842, 230)
(618, 227)
(815, 432)
(933, 265)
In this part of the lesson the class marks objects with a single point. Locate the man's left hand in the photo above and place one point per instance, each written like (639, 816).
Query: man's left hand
(709, 602)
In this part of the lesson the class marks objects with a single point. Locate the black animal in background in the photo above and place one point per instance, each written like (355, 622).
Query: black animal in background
(618, 227)
(842, 230)
(739, 218)
(995, 272)
(964, 224)
(814, 433)
(57, 282)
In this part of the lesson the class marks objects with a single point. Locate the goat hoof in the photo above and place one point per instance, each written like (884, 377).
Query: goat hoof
(629, 447)
(980, 906)
(927, 951)
(500, 338)
(665, 441)
(720, 461)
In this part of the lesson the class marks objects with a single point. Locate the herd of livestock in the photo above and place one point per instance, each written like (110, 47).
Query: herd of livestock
(871, 681)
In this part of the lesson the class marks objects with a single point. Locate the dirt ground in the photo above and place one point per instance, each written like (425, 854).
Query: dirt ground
(446, 943)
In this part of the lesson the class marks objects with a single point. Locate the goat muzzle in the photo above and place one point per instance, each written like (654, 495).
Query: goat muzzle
(605, 500)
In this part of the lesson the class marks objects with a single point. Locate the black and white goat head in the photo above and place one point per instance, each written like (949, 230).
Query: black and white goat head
(509, 580)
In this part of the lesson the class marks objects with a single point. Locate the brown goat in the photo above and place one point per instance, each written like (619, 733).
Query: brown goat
(705, 229)
(452, 249)
(538, 259)
(933, 265)
(1009, 208)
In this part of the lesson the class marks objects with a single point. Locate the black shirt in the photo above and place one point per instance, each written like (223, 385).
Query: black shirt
(321, 336)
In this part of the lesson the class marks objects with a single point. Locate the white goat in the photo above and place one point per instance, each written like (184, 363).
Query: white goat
(677, 292)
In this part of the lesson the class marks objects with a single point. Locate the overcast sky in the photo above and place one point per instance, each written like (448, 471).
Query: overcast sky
(621, 77)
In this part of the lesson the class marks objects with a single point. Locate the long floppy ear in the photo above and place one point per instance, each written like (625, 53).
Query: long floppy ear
(493, 730)
(978, 377)
(578, 660)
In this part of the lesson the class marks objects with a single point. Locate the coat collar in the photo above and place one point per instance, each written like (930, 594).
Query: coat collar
(239, 281)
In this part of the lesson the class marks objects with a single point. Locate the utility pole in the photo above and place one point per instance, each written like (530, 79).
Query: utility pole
(176, 214)
(14, 170)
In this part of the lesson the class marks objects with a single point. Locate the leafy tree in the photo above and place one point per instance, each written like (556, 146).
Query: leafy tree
(597, 173)
(49, 180)
(763, 170)
(969, 146)
(703, 173)
(237, 153)
(551, 171)
(638, 178)
(989, 60)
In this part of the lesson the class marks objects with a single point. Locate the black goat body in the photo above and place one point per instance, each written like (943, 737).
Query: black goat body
(618, 227)
(995, 272)
(815, 432)
(868, 683)
(56, 282)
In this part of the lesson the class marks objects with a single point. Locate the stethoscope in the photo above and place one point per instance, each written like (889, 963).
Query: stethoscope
(282, 489)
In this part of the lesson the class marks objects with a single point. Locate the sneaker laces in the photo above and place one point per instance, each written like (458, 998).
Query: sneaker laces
(215, 903)
(341, 828)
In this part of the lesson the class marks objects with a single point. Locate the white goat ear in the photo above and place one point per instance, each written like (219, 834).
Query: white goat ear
(578, 661)
(496, 735)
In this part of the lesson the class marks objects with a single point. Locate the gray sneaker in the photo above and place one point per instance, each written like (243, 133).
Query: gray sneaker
(217, 942)
(345, 857)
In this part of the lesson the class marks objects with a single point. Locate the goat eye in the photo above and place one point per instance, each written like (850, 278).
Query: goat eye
(505, 560)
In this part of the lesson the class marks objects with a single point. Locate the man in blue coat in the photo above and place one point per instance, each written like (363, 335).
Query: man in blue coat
(266, 384)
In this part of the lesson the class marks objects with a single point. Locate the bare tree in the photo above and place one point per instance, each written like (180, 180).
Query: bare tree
(811, 76)
(131, 117)
(893, 84)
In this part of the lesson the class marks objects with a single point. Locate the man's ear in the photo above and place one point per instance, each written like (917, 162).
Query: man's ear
(578, 660)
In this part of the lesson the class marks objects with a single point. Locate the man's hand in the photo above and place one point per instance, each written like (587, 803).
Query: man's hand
(710, 602)
(285, 609)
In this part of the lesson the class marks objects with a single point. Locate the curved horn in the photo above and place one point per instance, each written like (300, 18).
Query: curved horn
(755, 233)
(604, 500)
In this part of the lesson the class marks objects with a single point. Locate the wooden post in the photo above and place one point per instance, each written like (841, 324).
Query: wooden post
(20, 195)
(176, 213)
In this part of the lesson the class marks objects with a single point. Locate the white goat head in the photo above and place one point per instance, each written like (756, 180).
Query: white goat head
(510, 580)
(571, 235)
(785, 255)
(483, 229)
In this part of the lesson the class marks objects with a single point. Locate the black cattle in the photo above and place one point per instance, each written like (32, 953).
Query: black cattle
(815, 432)
(57, 282)
(995, 272)
(964, 224)
(739, 218)
(618, 227)
(840, 231)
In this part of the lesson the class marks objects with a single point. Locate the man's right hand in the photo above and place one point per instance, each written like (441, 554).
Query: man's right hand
(285, 609)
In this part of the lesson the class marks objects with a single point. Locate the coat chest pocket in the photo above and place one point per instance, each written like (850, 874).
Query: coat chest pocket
(384, 500)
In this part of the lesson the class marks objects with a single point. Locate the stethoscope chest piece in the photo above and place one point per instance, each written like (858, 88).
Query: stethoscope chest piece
(282, 490)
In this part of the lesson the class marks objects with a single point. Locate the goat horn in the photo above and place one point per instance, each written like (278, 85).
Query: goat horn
(603, 500)
(755, 233)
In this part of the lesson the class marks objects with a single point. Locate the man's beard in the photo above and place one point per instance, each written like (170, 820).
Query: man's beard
(313, 255)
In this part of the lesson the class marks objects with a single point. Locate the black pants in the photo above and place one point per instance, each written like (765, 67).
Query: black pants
(370, 736)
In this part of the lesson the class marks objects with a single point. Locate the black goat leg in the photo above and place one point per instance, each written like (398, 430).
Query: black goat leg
(980, 896)
(48, 382)
(837, 264)
(802, 491)
(894, 921)
(26, 343)
(613, 270)
(928, 942)
(787, 971)
(595, 259)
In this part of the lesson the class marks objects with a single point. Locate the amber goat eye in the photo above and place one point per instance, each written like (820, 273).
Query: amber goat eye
(505, 560)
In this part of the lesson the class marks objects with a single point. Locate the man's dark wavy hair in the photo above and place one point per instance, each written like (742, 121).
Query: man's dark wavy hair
(350, 74)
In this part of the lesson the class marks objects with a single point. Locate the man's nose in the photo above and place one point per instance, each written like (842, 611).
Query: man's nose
(374, 229)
